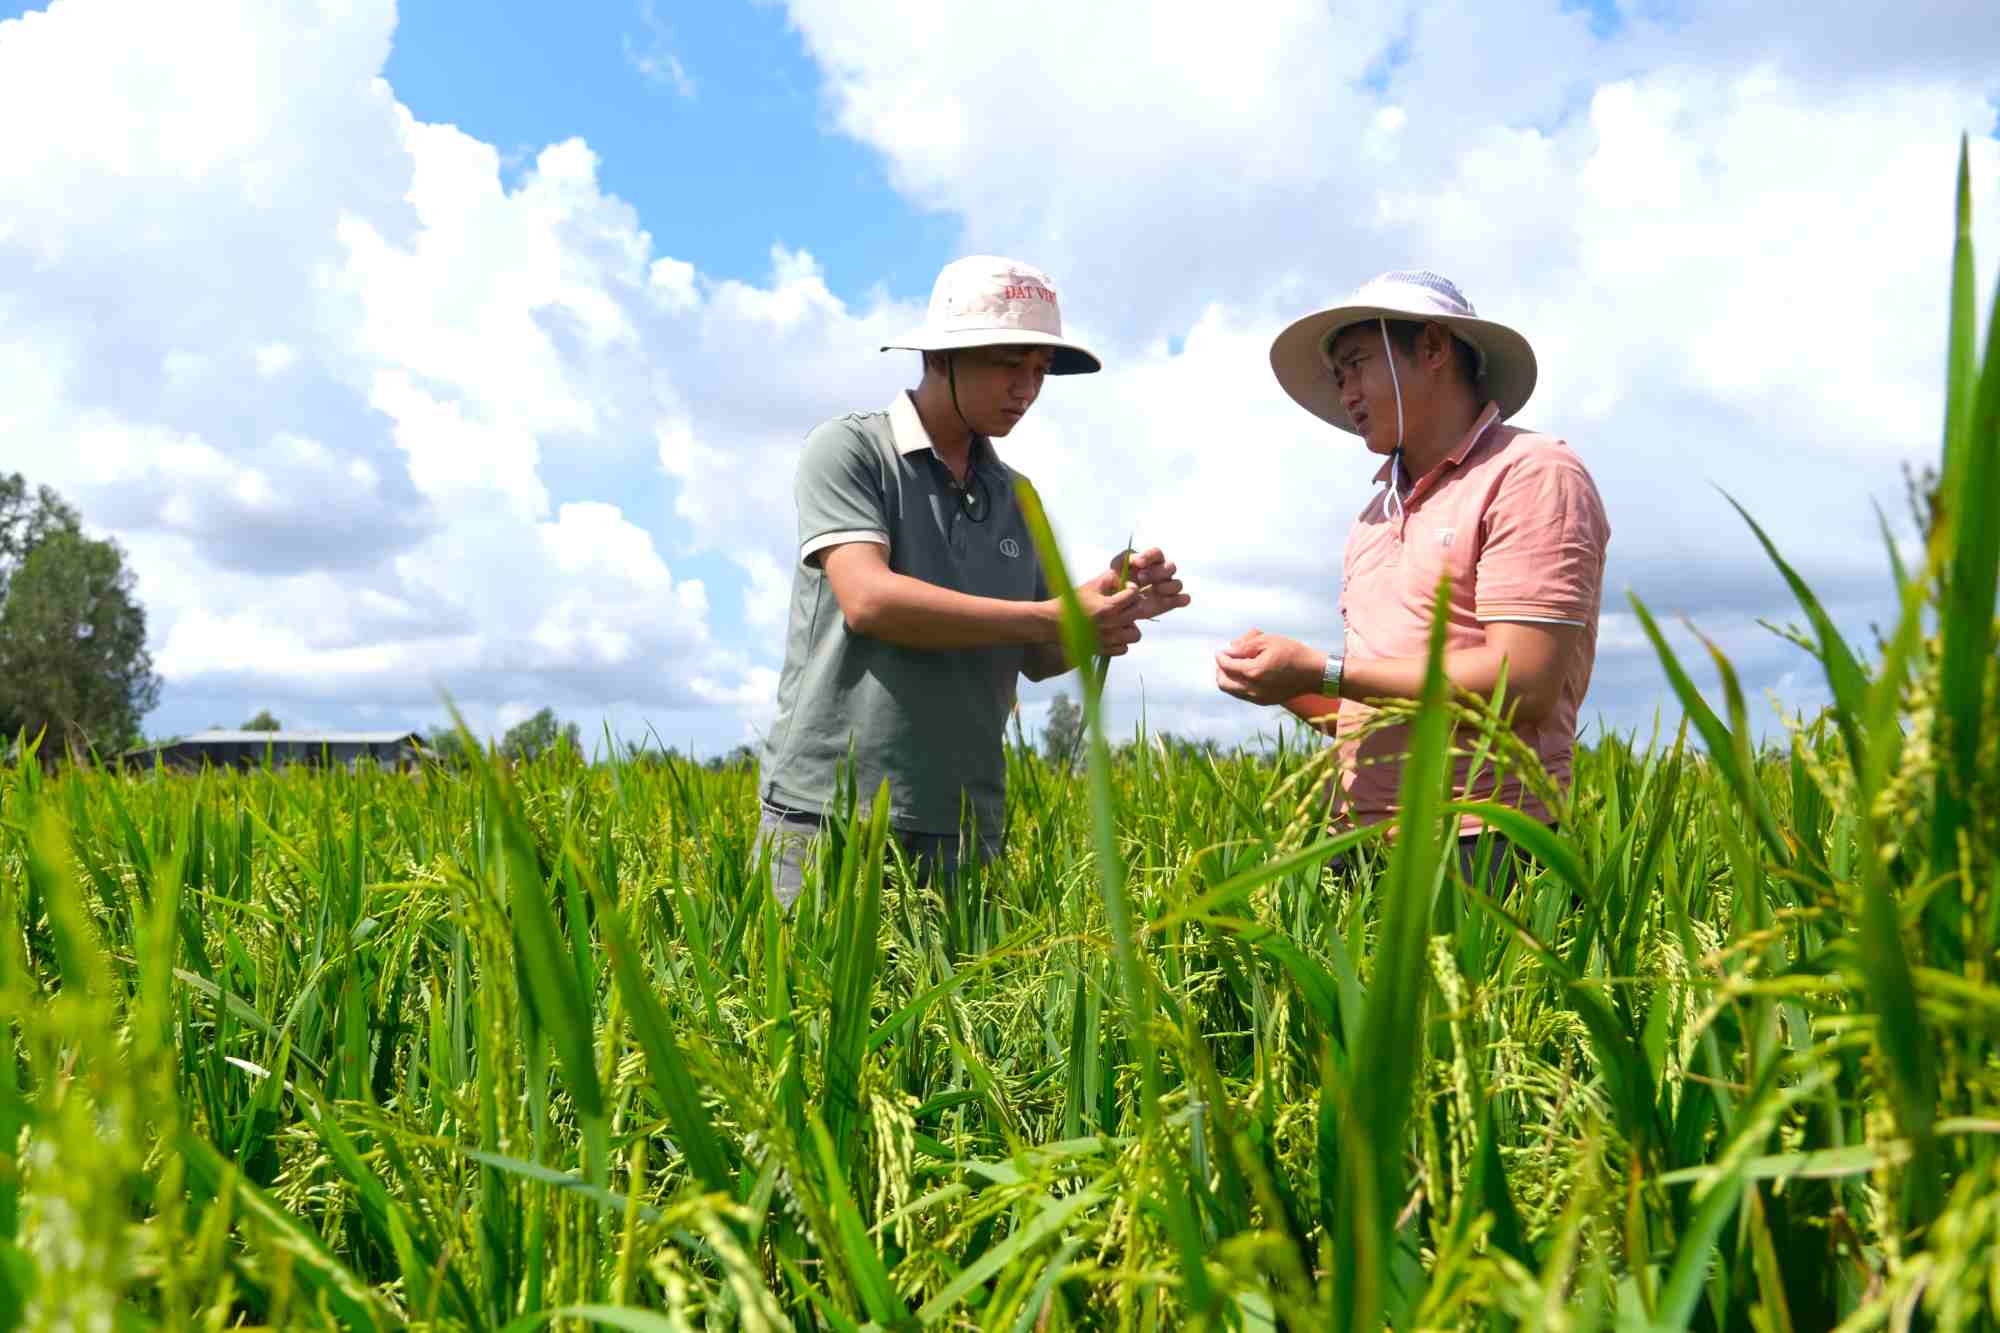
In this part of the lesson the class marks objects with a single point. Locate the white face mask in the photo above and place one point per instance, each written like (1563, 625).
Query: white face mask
(1395, 496)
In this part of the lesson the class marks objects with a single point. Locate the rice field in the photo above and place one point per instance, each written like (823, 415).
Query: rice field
(513, 1047)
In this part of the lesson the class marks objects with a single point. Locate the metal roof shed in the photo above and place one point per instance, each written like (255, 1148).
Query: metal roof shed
(252, 749)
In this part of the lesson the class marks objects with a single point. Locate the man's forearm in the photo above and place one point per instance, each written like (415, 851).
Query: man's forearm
(1474, 670)
(911, 613)
(1307, 707)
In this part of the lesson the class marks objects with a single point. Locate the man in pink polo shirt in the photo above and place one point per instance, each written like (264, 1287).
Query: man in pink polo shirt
(1511, 515)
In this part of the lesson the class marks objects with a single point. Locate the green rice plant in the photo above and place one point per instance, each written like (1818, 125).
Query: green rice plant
(524, 1046)
(1372, 1111)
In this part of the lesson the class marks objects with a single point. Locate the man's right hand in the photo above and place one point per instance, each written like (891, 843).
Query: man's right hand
(1114, 612)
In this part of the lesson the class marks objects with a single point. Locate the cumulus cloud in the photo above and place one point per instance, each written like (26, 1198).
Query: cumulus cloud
(1726, 235)
(321, 387)
(375, 416)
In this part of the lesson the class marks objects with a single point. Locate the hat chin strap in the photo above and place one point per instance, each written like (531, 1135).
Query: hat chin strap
(971, 459)
(951, 375)
(1395, 496)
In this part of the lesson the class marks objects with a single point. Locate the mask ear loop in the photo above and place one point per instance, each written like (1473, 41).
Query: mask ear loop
(1395, 496)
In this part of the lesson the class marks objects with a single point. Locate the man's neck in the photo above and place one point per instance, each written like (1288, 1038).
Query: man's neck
(1431, 446)
(951, 441)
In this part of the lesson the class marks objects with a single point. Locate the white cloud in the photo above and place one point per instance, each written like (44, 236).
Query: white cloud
(767, 600)
(374, 420)
(1733, 268)
(275, 359)
(653, 56)
(321, 392)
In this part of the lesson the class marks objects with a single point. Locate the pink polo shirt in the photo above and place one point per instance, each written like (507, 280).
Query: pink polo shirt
(1517, 522)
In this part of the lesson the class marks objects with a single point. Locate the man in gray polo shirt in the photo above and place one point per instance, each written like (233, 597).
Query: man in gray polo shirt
(918, 602)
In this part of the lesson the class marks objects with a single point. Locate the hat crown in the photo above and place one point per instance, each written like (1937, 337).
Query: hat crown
(1416, 290)
(987, 293)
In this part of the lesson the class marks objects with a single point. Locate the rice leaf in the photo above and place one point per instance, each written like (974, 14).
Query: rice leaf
(1961, 348)
(1971, 491)
(1509, 1233)
(1392, 1040)
(673, 1084)
(1682, 1291)
(1844, 677)
(549, 970)
(605, 1316)
(1904, 1046)
(1046, 1223)
(864, 1267)
(856, 953)
(1245, 882)
(1724, 749)
(1135, 982)
(351, 1299)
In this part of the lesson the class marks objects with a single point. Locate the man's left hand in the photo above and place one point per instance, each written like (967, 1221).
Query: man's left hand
(1262, 668)
(1155, 576)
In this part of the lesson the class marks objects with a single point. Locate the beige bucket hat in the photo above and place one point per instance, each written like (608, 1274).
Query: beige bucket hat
(1299, 354)
(988, 301)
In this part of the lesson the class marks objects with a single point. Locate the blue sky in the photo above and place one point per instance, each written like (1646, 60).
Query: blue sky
(746, 158)
(468, 348)
(736, 155)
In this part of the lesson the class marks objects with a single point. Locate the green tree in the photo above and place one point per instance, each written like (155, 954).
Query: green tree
(73, 657)
(649, 754)
(26, 521)
(531, 739)
(448, 747)
(1062, 735)
(742, 756)
(263, 722)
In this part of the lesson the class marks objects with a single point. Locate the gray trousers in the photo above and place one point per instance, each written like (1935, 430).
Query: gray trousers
(792, 836)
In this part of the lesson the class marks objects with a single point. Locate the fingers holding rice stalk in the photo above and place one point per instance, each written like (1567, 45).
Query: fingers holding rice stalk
(1136, 585)
(1122, 563)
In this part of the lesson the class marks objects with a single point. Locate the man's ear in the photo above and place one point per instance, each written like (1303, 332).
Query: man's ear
(1435, 346)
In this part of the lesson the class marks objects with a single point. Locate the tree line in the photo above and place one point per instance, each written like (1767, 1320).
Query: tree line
(544, 734)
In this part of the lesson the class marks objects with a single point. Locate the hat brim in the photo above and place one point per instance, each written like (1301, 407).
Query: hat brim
(1069, 359)
(1298, 358)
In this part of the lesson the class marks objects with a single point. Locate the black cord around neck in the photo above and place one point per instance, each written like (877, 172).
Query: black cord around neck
(971, 496)
(951, 377)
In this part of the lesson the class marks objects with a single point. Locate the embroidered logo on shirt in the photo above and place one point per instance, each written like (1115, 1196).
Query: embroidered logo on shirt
(1009, 547)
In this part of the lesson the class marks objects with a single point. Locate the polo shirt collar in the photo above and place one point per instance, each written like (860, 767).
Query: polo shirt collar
(1455, 457)
(907, 429)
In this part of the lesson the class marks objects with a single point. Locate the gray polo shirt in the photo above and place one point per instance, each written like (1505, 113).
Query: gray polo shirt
(931, 721)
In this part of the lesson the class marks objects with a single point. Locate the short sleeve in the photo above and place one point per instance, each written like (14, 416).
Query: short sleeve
(1543, 538)
(839, 491)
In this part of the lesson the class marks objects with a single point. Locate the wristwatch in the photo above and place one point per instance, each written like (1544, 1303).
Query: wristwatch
(1329, 683)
